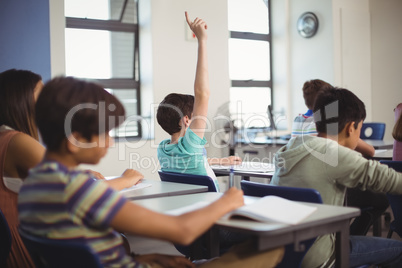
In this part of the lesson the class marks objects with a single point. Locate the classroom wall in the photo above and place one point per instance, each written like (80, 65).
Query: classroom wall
(386, 60)
(297, 59)
(24, 36)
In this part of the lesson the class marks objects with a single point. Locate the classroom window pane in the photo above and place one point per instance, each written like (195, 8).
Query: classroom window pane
(248, 16)
(251, 111)
(249, 60)
(101, 10)
(128, 97)
(99, 54)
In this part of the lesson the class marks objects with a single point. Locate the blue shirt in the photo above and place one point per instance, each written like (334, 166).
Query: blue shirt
(187, 156)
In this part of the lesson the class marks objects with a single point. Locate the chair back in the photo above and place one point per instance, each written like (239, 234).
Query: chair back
(47, 253)
(372, 131)
(188, 179)
(395, 201)
(5, 237)
(291, 193)
(292, 258)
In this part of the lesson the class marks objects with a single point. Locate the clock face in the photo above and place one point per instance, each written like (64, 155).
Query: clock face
(307, 24)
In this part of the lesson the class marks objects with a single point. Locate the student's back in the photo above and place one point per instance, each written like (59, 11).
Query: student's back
(330, 164)
(19, 149)
(397, 134)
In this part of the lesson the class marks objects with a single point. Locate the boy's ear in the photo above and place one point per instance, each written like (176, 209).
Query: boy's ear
(185, 121)
(350, 127)
(73, 142)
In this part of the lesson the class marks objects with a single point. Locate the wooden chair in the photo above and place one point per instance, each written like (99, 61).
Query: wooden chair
(292, 258)
(188, 179)
(47, 253)
(5, 240)
(377, 131)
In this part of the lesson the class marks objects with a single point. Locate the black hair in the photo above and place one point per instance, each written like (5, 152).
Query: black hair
(335, 108)
(310, 90)
(68, 105)
(172, 109)
(17, 104)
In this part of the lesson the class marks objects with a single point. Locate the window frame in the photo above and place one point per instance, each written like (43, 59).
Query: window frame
(117, 83)
(256, 37)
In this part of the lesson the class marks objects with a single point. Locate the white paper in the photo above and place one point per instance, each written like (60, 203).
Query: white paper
(138, 186)
(249, 167)
(274, 209)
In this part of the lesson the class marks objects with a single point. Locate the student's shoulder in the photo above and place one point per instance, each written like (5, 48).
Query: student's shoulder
(23, 142)
(24, 147)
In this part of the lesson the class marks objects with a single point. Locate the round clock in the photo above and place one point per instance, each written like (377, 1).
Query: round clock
(307, 24)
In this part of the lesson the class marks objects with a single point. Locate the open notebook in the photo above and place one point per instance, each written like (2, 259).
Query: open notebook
(266, 209)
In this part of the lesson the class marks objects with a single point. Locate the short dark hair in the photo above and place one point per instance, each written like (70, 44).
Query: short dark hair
(310, 90)
(337, 106)
(87, 106)
(17, 104)
(172, 109)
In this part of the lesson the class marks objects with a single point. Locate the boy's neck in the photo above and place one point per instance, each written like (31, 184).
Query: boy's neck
(338, 138)
(62, 159)
(174, 138)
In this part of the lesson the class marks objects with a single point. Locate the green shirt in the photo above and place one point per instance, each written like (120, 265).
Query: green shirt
(323, 164)
(187, 156)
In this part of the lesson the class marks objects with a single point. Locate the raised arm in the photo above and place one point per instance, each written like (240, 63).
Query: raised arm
(182, 229)
(201, 84)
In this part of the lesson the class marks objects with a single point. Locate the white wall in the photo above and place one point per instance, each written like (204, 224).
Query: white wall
(386, 57)
(297, 59)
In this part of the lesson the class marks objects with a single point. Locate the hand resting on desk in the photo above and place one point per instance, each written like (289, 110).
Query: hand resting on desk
(225, 161)
(129, 178)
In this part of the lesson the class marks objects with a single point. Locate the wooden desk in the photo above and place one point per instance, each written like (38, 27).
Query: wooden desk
(163, 188)
(326, 219)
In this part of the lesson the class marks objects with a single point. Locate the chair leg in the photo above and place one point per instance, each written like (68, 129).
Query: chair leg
(389, 235)
(377, 227)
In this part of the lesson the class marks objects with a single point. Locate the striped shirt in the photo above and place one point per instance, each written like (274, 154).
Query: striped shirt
(69, 204)
(304, 125)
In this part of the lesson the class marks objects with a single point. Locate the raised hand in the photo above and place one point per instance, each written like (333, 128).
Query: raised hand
(198, 26)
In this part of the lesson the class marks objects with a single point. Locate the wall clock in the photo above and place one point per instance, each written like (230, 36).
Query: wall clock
(307, 24)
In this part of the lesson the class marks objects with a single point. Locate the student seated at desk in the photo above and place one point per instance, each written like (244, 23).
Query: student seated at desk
(397, 134)
(60, 201)
(330, 164)
(304, 125)
(20, 150)
(184, 118)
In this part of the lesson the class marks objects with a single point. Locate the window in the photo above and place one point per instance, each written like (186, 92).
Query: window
(250, 60)
(102, 44)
